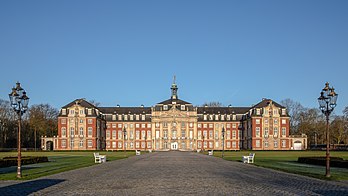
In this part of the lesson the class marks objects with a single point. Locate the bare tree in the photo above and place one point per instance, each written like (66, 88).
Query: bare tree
(295, 109)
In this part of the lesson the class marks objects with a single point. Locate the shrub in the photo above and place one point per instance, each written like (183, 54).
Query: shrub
(334, 161)
(26, 160)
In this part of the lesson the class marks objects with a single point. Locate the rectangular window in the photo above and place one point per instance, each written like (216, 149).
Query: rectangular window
(143, 134)
(228, 126)
(82, 111)
(165, 107)
(107, 134)
(90, 121)
(257, 121)
(120, 145)
(233, 134)
(63, 121)
(205, 125)
(275, 144)
(63, 111)
(81, 121)
(119, 134)
(275, 131)
(199, 125)
(228, 117)
(234, 125)
(131, 145)
(131, 125)
(284, 131)
(228, 136)
(283, 122)
(90, 131)
(119, 125)
(63, 143)
(113, 144)
(211, 125)
(143, 117)
(81, 143)
(183, 133)
(114, 134)
(211, 145)
(137, 117)
(283, 112)
(126, 117)
(275, 121)
(137, 135)
(182, 107)
(137, 125)
(157, 134)
(266, 131)
(216, 144)
(165, 124)
(258, 112)
(143, 125)
(204, 117)
(216, 117)
(165, 134)
(81, 131)
(257, 132)
(63, 131)
(131, 135)
(234, 144)
(113, 125)
(89, 111)
(148, 134)
(211, 134)
(149, 125)
(72, 111)
(131, 117)
(72, 131)
(283, 143)
(266, 144)
(228, 144)
(113, 117)
(191, 134)
(222, 117)
(257, 143)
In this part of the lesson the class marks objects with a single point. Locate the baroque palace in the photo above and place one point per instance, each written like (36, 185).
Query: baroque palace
(173, 124)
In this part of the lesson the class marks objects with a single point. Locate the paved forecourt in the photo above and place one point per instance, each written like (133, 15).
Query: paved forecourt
(174, 173)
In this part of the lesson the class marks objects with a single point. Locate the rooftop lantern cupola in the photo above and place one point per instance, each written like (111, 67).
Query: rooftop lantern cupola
(174, 89)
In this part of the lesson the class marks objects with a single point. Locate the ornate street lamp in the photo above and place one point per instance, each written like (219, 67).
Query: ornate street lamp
(223, 141)
(327, 103)
(124, 140)
(19, 102)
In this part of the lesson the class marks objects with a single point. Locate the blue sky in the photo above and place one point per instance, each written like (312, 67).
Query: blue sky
(126, 52)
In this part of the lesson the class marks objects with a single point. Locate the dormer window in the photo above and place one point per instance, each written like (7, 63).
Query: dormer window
(216, 117)
(131, 117)
(143, 117)
(258, 112)
(165, 107)
(63, 111)
(125, 117)
(182, 107)
(205, 117)
(113, 117)
(228, 117)
(222, 117)
(89, 111)
(283, 111)
(233, 117)
(137, 117)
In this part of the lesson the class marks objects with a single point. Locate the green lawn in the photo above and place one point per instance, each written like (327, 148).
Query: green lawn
(287, 161)
(58, 162)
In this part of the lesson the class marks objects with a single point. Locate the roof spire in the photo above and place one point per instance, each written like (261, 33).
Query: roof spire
(174, 89)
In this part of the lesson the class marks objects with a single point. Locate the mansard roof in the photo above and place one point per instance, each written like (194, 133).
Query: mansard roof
(222, 110)
(177, 101)
(266, 102)
(81, 102)
(126, 110)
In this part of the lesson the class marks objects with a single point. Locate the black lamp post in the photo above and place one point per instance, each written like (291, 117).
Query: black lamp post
(327, 103)
(223, 141)
(19, 102)
(124, 140)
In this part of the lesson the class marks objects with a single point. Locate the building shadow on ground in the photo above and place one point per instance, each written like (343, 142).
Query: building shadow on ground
(26, 188)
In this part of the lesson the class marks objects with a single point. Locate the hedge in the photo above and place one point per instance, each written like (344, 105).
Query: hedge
(26, 160)
(334, 161)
